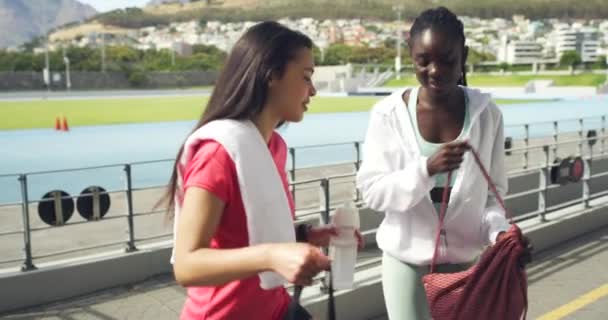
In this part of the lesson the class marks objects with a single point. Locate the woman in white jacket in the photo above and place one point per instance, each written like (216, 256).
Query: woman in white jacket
(415, 136)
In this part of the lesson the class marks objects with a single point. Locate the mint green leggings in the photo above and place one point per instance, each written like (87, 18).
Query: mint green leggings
(403, 291)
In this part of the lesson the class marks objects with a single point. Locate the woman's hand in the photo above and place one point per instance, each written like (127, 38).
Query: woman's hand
(321, 236)
(526, 256)
(297, 262)
(447, 158)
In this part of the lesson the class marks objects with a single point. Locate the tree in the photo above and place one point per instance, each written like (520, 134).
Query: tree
(318, 56)
(122, 54)
(198, 61)
(337, 54)
(36, 42)
(157, 60)
(570, 58)
(84, 59)
(20, 61)
(137, 78)
(390, 43)
(475, 57)
(120, 58)
(372, 28)
(601, 63)
(504, 66)
(207, 49)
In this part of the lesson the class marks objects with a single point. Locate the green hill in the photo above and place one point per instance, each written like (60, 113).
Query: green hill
(239, 10)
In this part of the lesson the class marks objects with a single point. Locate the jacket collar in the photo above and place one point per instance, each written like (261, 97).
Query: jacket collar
(478, 101)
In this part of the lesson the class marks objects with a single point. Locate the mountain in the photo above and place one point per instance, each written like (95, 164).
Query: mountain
(161, 2)
(160, 12)
(22, 20)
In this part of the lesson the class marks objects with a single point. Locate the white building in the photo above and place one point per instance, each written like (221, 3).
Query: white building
(604, 29)
(519, 51)
(585, 41)
(182, 48)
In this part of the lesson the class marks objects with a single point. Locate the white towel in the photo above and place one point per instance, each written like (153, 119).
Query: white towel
(266, 205)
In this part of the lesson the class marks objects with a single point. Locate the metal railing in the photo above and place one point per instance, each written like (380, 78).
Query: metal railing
(330, 189)
(580, 130)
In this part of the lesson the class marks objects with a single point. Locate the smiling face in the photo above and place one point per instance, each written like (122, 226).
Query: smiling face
(438, 60)
(290, 93)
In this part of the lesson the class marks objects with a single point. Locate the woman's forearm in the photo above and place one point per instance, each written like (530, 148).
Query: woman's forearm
(209, 267)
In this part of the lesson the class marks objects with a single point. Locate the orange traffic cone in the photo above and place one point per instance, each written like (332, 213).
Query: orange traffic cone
(57, 124)
(64, 125)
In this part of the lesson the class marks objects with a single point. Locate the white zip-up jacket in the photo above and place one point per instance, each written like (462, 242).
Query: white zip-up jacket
(394, 179)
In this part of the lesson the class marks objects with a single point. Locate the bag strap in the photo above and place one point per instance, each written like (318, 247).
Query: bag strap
(444, 202)
(302, 236)
(331, 304)
(491, 184)
(297, 293)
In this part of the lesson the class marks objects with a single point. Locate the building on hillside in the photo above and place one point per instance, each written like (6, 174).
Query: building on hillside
(585, 41)
(182, 49)
(519, 51)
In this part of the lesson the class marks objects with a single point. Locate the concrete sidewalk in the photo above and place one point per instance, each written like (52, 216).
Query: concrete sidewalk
(558, 277)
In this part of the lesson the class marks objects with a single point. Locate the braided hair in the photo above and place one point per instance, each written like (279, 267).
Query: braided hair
(445, 21)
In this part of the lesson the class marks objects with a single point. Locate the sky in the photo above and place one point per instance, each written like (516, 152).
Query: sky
(107, 5)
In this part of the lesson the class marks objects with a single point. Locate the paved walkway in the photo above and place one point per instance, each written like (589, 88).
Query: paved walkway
(567, 282)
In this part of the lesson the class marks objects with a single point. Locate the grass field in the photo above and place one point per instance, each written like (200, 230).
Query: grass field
(42, 113)
(585, 79)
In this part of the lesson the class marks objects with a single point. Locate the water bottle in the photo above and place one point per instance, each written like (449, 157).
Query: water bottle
(343, 247)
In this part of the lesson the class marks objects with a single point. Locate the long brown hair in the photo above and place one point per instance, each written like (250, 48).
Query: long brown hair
(241, 90)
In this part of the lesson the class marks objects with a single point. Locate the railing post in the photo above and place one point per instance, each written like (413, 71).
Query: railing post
(586, 192)
(542, 185)
(27, 239)
(357, 167)
(358, 155)
(326, 201)
(129, 193)
(527, 144)
(292, 173)
(555, 138)
(581, 136)
(603, 134)
(96, 193)
(325, 219)
(58, 202)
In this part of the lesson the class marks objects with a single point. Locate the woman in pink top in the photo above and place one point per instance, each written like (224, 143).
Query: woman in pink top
(266, 79)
